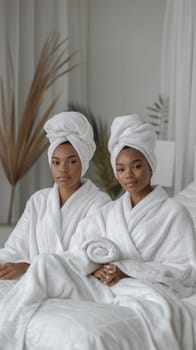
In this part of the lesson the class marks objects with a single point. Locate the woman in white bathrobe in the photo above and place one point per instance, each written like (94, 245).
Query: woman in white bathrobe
(155, 234)
(52, 215)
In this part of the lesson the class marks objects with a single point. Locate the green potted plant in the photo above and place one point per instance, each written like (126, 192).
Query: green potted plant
(103, 173)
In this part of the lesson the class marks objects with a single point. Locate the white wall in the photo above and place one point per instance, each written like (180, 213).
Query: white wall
(124, 54)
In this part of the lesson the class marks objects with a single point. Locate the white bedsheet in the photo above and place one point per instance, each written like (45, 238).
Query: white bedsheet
(82, 325)
(154, 320)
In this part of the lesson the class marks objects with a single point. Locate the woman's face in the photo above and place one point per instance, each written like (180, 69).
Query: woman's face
(133, 173)
(66, 167)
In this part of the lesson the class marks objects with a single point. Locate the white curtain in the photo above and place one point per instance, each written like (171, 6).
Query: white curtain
(78, 34)
(25, 24)
(178, 82)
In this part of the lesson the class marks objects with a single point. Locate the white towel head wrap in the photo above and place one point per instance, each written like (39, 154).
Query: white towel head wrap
(131, 131)
(75, 128)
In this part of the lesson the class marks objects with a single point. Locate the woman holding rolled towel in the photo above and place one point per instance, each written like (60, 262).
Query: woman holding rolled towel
(52, 214)
(154, 233)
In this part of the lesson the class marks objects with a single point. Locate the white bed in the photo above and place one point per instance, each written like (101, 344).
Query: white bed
(65, 324)
(77, 325)
(81, 325)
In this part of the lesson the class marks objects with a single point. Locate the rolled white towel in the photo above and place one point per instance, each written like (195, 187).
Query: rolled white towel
(102, 251)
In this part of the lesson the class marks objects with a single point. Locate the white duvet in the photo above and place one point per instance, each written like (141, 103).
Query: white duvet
(84, 325)
(155, 309)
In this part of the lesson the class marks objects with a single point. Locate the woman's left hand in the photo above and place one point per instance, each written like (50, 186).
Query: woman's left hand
(109, 274)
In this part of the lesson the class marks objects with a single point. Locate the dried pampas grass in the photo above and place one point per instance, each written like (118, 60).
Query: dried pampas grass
(21, 145)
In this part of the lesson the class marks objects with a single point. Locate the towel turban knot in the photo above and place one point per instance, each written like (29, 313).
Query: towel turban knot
(131, 131)
(75, 128)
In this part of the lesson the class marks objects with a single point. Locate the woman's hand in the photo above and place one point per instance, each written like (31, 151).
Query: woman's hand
(109, 274)
(11, 271)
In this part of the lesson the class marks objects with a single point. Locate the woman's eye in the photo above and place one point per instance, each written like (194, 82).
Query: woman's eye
(138, 166)
(73, 161)
(120, 170)
(55, 162)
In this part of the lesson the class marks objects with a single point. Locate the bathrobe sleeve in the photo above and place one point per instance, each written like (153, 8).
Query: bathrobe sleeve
(16, 248)
(22, 244)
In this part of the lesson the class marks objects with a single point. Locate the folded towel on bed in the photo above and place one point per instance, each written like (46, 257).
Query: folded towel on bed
(102, 251)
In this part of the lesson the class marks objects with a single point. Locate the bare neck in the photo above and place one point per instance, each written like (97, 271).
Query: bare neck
(65, 193)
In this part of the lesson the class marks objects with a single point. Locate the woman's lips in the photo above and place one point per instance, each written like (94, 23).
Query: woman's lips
(63, 178)
(130, 184)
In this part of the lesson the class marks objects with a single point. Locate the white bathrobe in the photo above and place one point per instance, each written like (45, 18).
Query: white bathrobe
(157, 250)
(44, 227)
(156, 239)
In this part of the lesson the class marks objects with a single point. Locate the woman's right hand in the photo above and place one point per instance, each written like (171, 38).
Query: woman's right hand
(101, 274)
(109, 274)
(11, 271)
